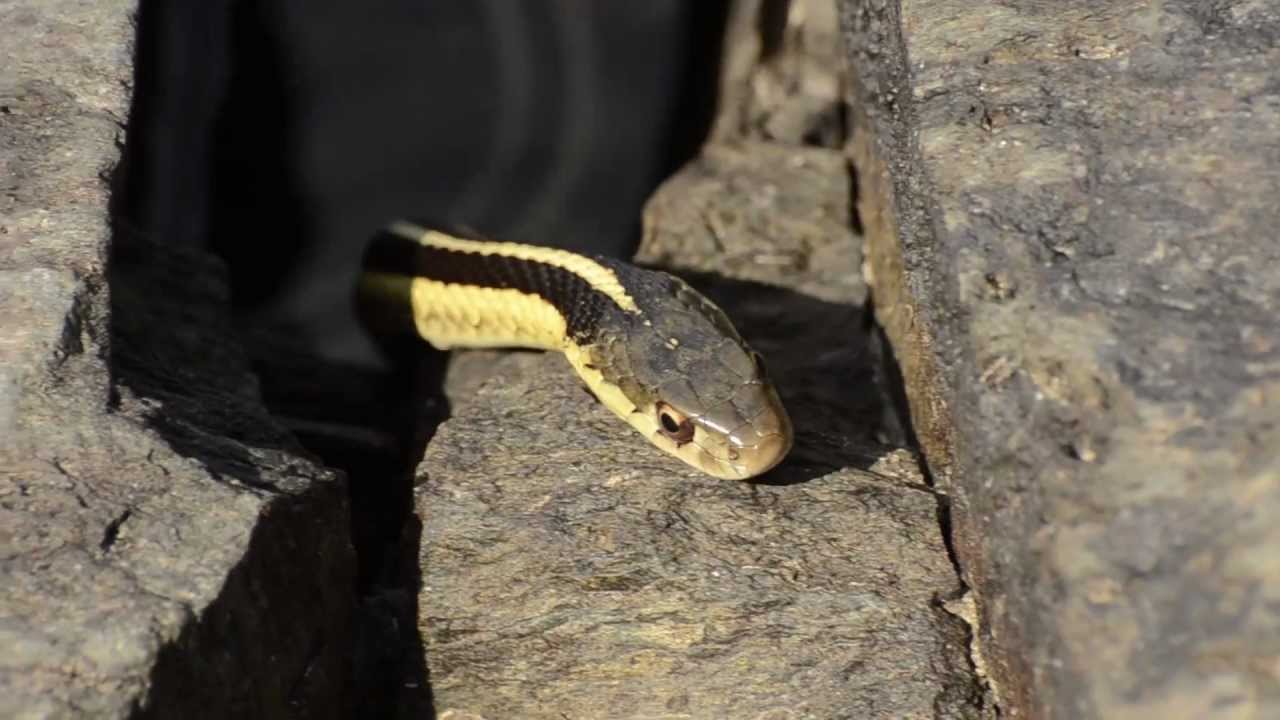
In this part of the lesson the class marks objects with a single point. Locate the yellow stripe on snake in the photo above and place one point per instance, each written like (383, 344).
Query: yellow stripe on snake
(653, 350)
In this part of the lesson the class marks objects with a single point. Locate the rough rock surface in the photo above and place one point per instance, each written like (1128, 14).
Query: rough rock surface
(1072, 213)
(782, 77)
(571, 570)
(164, 549)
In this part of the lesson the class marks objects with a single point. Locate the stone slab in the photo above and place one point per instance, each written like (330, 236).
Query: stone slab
(165, 549)
(1071, 209)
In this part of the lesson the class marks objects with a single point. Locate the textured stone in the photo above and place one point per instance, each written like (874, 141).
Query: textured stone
(782, 73)
(164, 548)
(1071, 209)
(760, 212)
(572, 570)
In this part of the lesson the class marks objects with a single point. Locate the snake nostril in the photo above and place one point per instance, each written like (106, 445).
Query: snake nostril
(674, 425)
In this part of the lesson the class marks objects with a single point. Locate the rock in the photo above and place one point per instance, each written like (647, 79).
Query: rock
(760, 212)
(571, 570)
(782, 73)
(165, 549)
(1071, 211)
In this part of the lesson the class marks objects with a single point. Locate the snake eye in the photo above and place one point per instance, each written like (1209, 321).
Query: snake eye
(674, 425)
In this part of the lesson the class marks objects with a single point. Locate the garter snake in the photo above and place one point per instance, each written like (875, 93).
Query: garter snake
(653, 350)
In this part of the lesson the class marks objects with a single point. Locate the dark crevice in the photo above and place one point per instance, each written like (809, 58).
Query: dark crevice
(855, 216)
(894, 386)
(112, 531)
(771, 24)
(373, 426)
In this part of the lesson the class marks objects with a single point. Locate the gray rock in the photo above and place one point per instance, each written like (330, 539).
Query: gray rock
(1071, 209)
(571, 570)
(760, 212)
(782, 73)
(165, 549)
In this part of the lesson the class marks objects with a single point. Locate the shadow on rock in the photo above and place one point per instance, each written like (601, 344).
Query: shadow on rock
(281, 614)
(175, 353)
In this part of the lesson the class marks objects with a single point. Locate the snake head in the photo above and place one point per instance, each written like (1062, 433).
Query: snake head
(735, 427)
(680, 374)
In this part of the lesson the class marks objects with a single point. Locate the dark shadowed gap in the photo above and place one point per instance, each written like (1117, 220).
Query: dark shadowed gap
(772, 26)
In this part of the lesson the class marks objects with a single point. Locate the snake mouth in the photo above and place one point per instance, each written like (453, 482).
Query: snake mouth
(743, 462)
(760, 458)
(723, 457)
(752, 448)
(765, 456)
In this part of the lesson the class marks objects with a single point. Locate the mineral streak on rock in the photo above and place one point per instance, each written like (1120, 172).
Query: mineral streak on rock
(1071, 212)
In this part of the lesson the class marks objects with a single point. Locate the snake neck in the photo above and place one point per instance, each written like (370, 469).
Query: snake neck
(462, 293)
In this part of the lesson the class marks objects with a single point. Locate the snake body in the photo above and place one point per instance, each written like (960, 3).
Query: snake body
(652, 349)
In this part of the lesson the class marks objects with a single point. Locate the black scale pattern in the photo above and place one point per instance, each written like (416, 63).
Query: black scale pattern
(583, 307)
